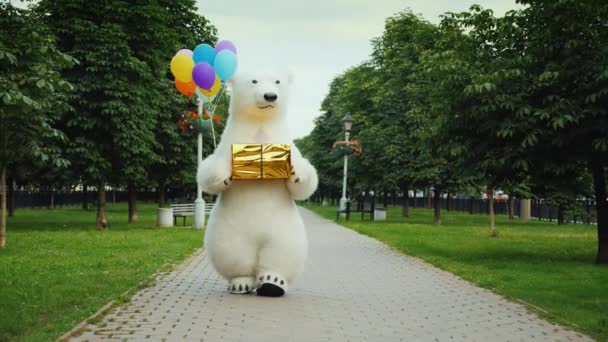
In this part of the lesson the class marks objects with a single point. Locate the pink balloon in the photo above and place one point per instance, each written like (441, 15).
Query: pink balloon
(184, 52)
(203, 75)
(225, 45)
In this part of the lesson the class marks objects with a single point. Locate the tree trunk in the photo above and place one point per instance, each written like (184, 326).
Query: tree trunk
(11, 197)
(471, 203)
(493, 232)
(405, 209)
(132, 203)
(162, 186)
(85, 199)
(588, 208)
(511, 207)
(52, 199)
(102, 222)
(3, 222)
(560, 214)
(437, 207)
(601, 207)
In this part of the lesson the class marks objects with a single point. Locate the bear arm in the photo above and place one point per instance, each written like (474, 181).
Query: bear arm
(304, 181)
(214, 175)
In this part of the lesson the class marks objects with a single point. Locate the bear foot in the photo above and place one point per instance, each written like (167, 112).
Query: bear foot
(241, 285)
(271, 285)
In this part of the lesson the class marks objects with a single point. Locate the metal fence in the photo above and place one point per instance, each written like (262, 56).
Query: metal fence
(582, 212)
(47, 198)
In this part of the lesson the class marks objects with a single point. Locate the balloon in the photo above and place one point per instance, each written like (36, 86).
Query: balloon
(203, 75)
(225, 64)
(181, 67)
(186, 88)
(184, 52)
(199, 93)
(225, 45)
(214, 89)
(204, 53)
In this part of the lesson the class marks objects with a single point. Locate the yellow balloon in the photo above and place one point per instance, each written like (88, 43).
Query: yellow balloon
(215, 88)
(181, 67)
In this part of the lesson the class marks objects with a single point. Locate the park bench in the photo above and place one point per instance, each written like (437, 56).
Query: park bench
(365, 208)
(187, 209)
(182, 210)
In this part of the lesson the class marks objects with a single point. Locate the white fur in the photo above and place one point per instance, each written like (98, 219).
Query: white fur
(255, 228)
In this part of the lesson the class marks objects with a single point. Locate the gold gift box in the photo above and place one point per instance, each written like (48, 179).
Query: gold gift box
(261, 161)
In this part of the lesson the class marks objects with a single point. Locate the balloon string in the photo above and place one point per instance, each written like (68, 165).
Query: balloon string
(212, 110)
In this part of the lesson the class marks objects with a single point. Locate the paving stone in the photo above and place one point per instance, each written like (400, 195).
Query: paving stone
(353, 289)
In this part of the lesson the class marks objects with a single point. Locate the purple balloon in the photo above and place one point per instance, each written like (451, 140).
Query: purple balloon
(225, 45)
(184, 52)
(203, 75)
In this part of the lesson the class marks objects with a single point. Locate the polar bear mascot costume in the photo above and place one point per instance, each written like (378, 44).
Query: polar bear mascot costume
(255, 236)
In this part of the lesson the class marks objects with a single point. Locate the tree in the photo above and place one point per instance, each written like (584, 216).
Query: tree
(566, 48)
(122, 90)
(33, 94)
(328, 129)
(156, 32)
(485, 85)
(397, 56)
(434, 91)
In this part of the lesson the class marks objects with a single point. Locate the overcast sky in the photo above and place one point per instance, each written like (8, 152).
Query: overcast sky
(315, 39)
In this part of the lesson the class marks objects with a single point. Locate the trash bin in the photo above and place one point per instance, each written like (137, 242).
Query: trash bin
(165, 217)
(379, 214)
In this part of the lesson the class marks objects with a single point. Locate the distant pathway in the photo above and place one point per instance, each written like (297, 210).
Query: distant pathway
(354, 289)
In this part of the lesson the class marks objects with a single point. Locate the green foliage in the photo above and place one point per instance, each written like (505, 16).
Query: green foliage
(125, 108)
(32, 92)
(516, 103)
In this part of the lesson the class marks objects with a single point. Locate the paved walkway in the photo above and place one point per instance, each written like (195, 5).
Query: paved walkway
(354, 289)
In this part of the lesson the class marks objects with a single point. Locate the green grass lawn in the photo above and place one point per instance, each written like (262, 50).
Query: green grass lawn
(58, 270)
(549, 266)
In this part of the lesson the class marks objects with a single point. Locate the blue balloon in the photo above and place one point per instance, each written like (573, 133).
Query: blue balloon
(225, 64)
(204, 53)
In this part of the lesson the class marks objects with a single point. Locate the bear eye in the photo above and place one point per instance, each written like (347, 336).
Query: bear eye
(277, 82)
(254, 81)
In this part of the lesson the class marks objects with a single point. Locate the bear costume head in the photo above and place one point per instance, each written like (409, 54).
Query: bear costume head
(259, 96)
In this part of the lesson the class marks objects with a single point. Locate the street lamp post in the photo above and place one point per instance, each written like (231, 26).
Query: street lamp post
(348, 123)
(199, 202)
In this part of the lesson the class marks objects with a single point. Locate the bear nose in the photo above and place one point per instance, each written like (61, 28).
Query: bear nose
(270, 97)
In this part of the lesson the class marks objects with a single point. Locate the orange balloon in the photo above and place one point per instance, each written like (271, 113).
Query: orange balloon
(186, 88)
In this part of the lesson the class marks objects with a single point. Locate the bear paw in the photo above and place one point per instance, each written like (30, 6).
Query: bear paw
(294, 178)
(241, 285)
(271, 285)
(228, 181)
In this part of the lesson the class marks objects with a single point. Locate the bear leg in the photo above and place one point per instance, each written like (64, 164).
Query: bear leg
(241, 285)
(280, 262)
